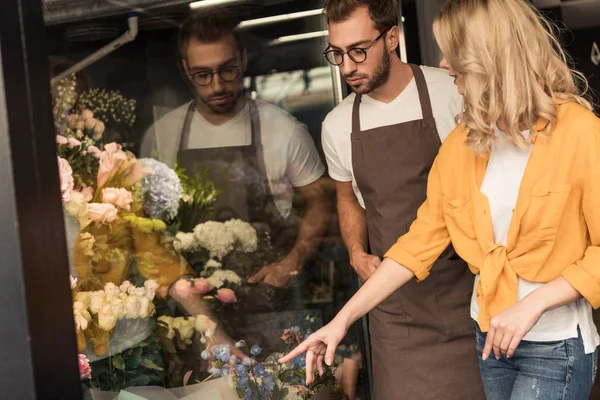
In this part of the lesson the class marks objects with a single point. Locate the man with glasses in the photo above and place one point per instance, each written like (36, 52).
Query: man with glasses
(380, 144)
(258, 156)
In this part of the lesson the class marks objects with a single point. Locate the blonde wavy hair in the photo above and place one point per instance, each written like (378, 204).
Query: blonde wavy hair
(515, 71)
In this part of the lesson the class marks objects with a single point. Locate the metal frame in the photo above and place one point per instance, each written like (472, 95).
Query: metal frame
(37, 333)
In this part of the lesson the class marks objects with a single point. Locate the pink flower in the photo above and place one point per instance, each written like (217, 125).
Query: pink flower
(60, 140)
(183, 288)
(90, 123)
(201, 286)
(87, 114)
(226, 296)
(136, 173)
(88, 193)
(72, 121)
(98, 130)
(66, 179)
(85, 371)
(111, 159)
(121, 198)
(95, 151)
(102, 212)
(73, 143)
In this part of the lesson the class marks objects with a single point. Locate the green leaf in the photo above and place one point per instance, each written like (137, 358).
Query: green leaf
(149, 364)
(139, 380)
(134, 359)
(118, 362)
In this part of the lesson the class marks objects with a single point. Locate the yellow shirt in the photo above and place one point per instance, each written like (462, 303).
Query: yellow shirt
(555, 228)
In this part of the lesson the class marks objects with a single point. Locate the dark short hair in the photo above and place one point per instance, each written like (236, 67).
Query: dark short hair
(207, 28)
(383, 13)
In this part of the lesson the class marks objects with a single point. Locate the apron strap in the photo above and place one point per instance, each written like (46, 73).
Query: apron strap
(356, 114)
(423, 92)
(184, 136)
(255, 150)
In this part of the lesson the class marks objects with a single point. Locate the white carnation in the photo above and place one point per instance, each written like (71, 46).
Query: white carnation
(185, 242)
(216, 238)
(220, 276)
(245, 235)
(213, 264)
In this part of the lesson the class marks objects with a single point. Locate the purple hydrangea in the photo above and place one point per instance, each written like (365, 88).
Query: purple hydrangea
(162, 190)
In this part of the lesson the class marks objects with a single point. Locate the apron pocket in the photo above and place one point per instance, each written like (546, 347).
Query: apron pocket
(453, 285)
(389, 320)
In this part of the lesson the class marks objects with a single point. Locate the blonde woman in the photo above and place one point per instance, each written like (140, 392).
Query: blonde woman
(516, 189)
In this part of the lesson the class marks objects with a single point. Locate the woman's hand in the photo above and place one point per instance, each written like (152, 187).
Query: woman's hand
(508, 328)
(319, 346)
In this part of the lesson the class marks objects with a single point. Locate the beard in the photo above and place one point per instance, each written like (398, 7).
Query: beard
(230, 100)
(379, 77)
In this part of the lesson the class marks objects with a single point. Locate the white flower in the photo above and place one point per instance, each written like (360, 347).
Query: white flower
(125, 287)
(117, 307)
(111, 289)
(73, 281)
(106, 319)
(245, 235)
(213, 264)
(205, 355)
(220, 276)
(167, 322)
(96, 301)
(150, 286)
(132, 307)
(84, 298)
(240, 344)
(82, 316)
(146, 307)
(216, 238)
(185, 242)
(204, 325)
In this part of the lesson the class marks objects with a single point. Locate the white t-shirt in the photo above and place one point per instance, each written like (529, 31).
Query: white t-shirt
(290, 155)
(446, 103)
(501, 184)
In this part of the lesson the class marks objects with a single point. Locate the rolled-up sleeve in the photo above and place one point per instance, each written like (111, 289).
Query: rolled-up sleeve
(428, 237)
(584, 275)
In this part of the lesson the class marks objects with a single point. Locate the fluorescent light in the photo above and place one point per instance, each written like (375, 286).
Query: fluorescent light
(209, 3)
(279, 18)
(301, 36)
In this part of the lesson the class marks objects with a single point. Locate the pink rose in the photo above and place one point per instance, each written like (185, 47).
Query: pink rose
(90, 123)
(102, 212)
(88, 193)
(60, 140)
(136, 173)
(94, 151)
(73, 143)
(72, 121)
(85, 371)
(201, 286)
(226, 296)
(87, 114)
(183, 288)
(66, 179)
(98, 130)
(121, 198)
(111, 159)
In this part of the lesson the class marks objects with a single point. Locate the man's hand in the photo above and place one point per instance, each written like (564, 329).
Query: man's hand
(364, 264)
(280, 274)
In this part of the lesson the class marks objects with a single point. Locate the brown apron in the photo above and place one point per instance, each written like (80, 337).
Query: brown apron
(239, 174)
(422, 336)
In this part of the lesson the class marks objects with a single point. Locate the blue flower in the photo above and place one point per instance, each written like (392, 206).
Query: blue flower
(215, 371)
(225, 370)
(162, 190)
(268, 382)
(221, 352)
(255, 350)
(241, 371)
(299, 362)
(247, 362)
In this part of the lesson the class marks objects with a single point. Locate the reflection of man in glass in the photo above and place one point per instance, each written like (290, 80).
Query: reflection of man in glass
(258, 156)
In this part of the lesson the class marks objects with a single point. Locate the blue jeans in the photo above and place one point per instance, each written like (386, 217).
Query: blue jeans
(539, 370)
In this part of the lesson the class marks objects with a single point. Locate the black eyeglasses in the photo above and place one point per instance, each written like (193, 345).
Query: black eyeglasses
(227, 74)
(356, 54)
